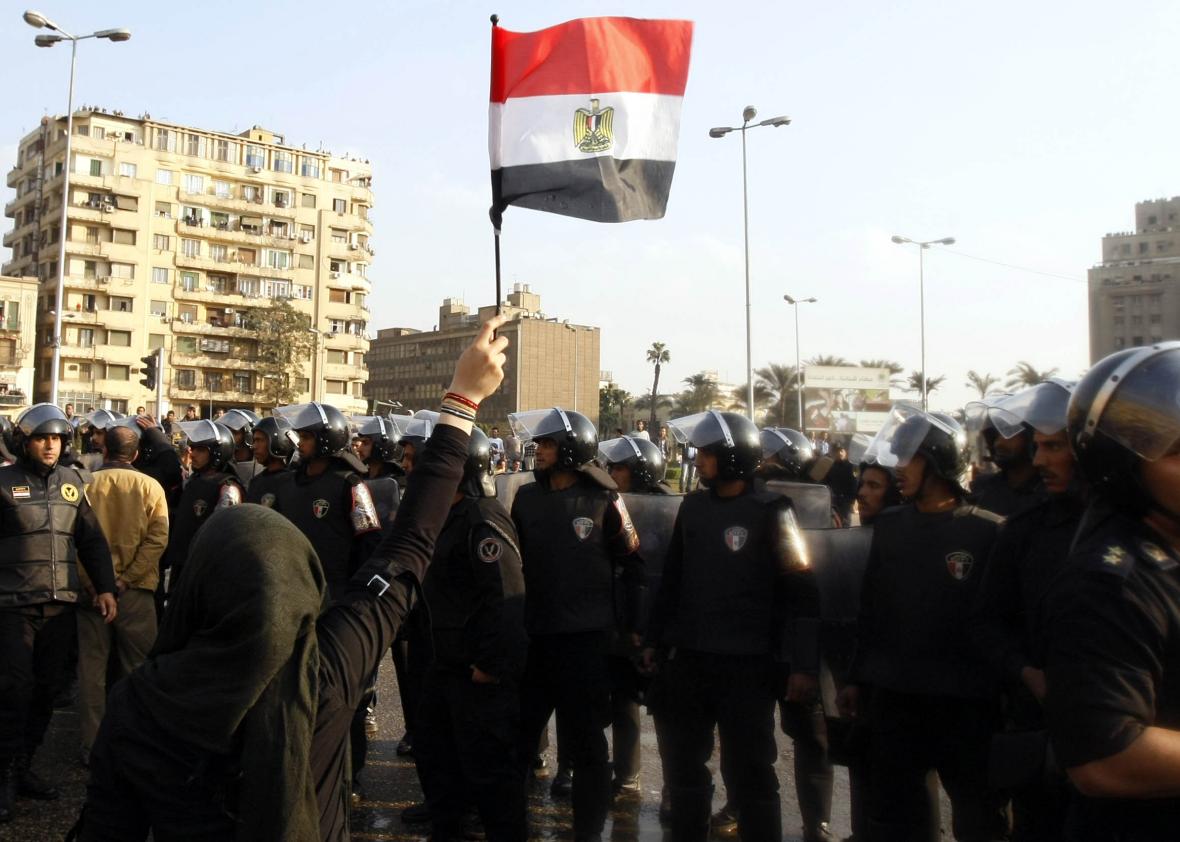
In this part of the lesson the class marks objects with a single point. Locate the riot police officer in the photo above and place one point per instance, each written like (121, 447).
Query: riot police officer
(636, 465)
(876, 491)
(737, 613)
(1010, 447)
(97, 422)
(241, 423)
(1113, 706)
(466, 741)
(211, 487)
(274, 447)
(46, 528)
(933, 701)
(376, 446)
(575, 533)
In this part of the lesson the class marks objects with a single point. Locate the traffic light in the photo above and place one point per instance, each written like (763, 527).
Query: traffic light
(151, 369)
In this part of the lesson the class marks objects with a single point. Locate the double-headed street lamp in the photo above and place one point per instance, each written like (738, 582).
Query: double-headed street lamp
(39, 21)
(922, 246)
(748, 114)
(795, 302)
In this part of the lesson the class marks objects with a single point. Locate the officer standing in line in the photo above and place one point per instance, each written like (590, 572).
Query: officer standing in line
(211, 487)
(876, 491)
(158, 458)
(933, 698)
(467, 739)
(46, 528)
(376, 446)
(241, 423)
(330, 504)
(274, 447)
(575, 534)
(736, 622)
(98, 421)
(1113, 703)
(1016, 483)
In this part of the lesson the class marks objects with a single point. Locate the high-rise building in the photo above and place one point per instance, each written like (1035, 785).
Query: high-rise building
(183, 238)
(18, 314)
(1135, 290)
(550, 362)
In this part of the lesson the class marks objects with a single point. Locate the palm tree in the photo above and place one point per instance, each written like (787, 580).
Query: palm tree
(895, 368)
(657, 355)
(932, 383)
(702, 393)
(611, 402)
(982, 383)
(827, 359)
(762, 398)
(782, 383)
(1025, 375)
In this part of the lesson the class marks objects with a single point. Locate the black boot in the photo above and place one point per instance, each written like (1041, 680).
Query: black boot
(31, 785)
(760, 821)
(7, 790)
(690, 813)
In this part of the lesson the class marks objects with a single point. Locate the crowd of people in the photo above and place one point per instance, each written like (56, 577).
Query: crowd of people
(1013, 637)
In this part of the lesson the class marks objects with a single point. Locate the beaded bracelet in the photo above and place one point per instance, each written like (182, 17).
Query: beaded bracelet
(449, 410)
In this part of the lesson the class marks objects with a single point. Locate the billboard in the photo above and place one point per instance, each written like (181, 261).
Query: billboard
(845, 399)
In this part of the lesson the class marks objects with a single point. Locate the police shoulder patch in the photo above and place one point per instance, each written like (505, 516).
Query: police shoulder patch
(231, 495)
(268, 500)
(489, 550)
(70, 493)
(960, 564)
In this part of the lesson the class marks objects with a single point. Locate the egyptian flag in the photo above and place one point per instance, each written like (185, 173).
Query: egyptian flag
(585, 116)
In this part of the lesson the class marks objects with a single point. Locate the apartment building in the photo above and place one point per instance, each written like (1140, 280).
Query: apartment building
(551, 362)
(18, 308)
(180, 237)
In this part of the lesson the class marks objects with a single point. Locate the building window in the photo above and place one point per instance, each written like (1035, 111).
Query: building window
(276, 259)
(95, 167)
(155, 340)
(128, 170)
(190, 248)
(213, 380)
(122, 270)
(186, 378)
(310, 168)
(189, 281)
(242, 384)
(306, 261)
(86, 337)
(123, 236)
(284, 162)
(340, 206)
(194, 145)
(186, 344)
(165, 140)
(158, 308)
(307, 200)
(221, 189)
(303, 292)
(225, 150)
(251, 193)
(194, 183)
(281, 199)
(122, 338)
(85, 371)
(164, 209)
(92, 234)
(339, 236)
(164, 177)
(161, 242)
(335, 387)
(255, 156)
(161, 275)
(218, 252)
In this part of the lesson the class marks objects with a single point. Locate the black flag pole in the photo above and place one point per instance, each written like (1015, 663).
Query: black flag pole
(497, 216)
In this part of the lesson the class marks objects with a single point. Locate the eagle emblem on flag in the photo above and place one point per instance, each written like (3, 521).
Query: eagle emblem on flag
(959, 564)
(594, 128)
(583, 526)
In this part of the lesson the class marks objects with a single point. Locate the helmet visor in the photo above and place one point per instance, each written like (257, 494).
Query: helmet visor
(199, 432)
(702, 429)
(1143, 414)
(615, 451)
(858, 446)
(775, 439)
(540, 424)
(1042, 407)
(303, 416)
(978, 413)
(373, 425)
(238, 419)
(902, 434)
(100, 419)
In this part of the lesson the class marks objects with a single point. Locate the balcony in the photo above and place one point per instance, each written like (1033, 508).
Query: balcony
(232, 298)
(362, 194)
(11, 208)
(250, 207)
(196, 394)
(231, 266)
(343, 310)
(235, 233)
(86, 249)
(346, 342)
(352, 222)
(206, 329)
(121, 184)
(287, 211)
(217, 363)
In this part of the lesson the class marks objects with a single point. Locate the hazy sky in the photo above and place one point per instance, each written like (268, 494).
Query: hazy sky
(1025, 130)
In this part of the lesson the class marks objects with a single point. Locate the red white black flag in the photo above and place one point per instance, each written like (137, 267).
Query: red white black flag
(585, 117)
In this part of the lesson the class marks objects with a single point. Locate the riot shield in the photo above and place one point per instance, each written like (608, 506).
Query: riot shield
(508, 484)
(813, 503)
(653, 516)
(838, 557)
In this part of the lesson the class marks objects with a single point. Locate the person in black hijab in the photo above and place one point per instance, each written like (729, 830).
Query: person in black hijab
(236, 727)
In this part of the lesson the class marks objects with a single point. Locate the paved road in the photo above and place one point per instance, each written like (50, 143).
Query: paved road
(390, 785)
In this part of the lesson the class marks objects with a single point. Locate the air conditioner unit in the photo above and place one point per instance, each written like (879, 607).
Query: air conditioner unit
(353, 247)
(104, 280)
(107, 207)
(255, 169)
(229, 310)
(305, 238)
(333, 274)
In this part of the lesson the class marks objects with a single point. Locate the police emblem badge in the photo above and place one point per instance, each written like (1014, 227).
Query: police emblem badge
(489, 550)
(200, 507)
(320, 508)
(959, 565)
(736, 537)
(268, 500)
(583, 526)
(69, 493)
(594, 128)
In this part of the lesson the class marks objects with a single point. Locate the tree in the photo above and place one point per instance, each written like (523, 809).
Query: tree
(932, 383)
(895, 368)
(612, 401)
(982, 383)
(1026, 375)
(827, 359)
(702, 393)
(657, 355)
(284, 343)
(762, 398)
(782, 383)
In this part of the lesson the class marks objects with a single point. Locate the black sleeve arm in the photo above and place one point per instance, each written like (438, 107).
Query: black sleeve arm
(995, 615)
(624, 548)
(864, 617)
(355, 633)
(93, 550)
(493, 621)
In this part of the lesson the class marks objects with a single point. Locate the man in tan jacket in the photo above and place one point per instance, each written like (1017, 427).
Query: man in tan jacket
(133, 513)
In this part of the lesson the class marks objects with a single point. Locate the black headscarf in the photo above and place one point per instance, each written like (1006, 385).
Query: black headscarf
(234, 668)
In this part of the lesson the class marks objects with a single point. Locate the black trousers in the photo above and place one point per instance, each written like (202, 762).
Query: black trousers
(467, 747)
(569, 673)
(35, 646)
(805, 724)
(912, 734)
(625, 721)
(735, 695)
(411, 653)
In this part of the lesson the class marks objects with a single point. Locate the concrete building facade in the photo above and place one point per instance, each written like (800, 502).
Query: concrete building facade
(1135, 291)
(18, 336)
(550, 362)
(177, 237)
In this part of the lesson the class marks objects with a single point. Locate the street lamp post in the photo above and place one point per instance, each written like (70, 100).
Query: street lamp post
(748, 114)
(39, 21)
(922, 246)
(569, 326)
(795, 302)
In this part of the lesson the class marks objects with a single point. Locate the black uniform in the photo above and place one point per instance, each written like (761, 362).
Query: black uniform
(148, 770)
(933, 698)
(204, 494)
(386, 493)
(246, 471)
(994, 494)
(264, 488)
(572, 540)
(1030, 552)
(1113, 663)
(841, 479)
(737, 610)
(467, 739)
(158, 459)
(46, 528)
